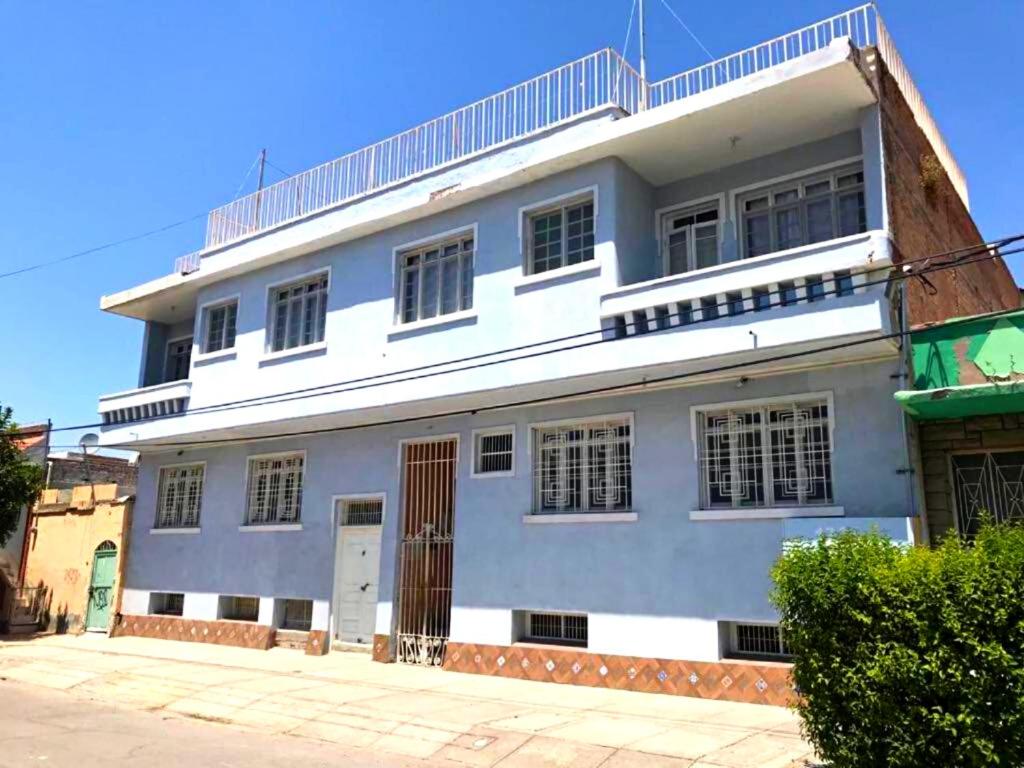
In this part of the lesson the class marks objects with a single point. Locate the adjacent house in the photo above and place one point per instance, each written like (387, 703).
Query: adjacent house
(540, 387)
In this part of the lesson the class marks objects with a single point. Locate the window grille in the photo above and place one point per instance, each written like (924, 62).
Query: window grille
(179, 359)
(804, 211)
(369, 511)
(585, 467)
(298, 615)
(561, 236)
(759, 640)
(988, 486)
(220, 327)
(436, 280)
(691, 239)
(562, 628)
(274, 492)
(167, 603)
(493, 452)
(238, 608)
(299, 313)
(180, 496)
(766, 456)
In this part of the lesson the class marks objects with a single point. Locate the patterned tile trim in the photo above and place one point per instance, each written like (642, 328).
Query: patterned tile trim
(318, 643)
(751, 682)
(238, 633)
(382, 648)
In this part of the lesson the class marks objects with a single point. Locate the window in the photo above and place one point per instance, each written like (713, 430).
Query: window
(166, 603)
(777, 455)
(691, 239)
(298, 313)
(368, 511)
(801, 212)
(239, 608)
(180, 496)
(493, 451)
(220, 324)
(584, 467)
(987, 486)
(298, 615)
(436, 279)
(757, 641)
(274, 493)
(561, 236)
(179, 358)
(555, 628)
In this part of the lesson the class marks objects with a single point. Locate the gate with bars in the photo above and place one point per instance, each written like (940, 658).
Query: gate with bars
(425, 551)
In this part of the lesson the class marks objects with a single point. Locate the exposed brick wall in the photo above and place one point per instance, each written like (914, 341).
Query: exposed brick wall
(924, 223)
(78, 469)
(939, 438)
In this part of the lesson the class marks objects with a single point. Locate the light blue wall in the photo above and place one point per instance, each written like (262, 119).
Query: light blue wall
(154, 349)
(662, 565)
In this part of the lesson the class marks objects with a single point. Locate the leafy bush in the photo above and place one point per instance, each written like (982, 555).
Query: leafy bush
(908, 656)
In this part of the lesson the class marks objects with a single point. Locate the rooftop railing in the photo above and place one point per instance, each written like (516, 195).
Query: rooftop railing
(593, 83)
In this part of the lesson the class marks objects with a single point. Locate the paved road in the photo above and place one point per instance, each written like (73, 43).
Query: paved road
(40, 727)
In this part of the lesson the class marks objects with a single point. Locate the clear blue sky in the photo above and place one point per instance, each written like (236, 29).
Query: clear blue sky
(117, 118)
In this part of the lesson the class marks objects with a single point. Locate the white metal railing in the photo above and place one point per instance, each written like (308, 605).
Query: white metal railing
(601, 80)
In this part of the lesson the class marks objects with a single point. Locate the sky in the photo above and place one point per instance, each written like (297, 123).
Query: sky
(118, 118)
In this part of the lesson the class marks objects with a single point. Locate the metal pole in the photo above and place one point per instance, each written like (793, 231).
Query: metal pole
(643, 58)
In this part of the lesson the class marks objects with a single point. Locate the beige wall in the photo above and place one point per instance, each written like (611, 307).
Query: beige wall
(64, 533)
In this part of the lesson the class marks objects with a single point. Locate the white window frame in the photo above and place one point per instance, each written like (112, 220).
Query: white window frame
(160, 497)
(536, 512)
(435, 241)
(271, 315)
(484, 432)
(788, 509)
(167, 356)
(662, 216)
(202, 330)
(527, 213)
(734, 649)
(278, 524)
(339, 500)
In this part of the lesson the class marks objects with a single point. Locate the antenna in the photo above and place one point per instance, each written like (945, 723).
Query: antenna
(643, 58)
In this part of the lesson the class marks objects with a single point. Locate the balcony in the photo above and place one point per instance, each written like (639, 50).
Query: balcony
(600, 82)
(134, 405)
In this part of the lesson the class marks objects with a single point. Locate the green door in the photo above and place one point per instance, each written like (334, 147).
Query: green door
(101, 587)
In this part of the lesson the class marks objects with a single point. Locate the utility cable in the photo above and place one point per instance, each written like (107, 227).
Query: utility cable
(688, 30)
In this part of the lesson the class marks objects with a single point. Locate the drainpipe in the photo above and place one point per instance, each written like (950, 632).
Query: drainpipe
(914, 493)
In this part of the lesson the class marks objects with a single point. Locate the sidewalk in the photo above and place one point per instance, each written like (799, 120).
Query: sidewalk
(442, 718)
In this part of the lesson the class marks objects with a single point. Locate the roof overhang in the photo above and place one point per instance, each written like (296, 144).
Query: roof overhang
(963, 401)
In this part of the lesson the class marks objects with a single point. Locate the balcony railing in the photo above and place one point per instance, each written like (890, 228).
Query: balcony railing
(595, 82)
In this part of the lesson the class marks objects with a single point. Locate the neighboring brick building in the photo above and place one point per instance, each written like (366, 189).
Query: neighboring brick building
(76, 469)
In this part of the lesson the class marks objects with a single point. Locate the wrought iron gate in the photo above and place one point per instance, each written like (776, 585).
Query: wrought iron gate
(988, 485)
(425, 552)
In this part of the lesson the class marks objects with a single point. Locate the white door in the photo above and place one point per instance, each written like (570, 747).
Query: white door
(357, 571)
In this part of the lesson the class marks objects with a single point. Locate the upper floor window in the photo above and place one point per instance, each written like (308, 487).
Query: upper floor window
(690, 239)
(274, 489)
(803, 211)
(773, 455)
(494, 451)
(436, 279)
(219, 323)
(180, 496)
(179, 359)
(298, 313)
(561, 236)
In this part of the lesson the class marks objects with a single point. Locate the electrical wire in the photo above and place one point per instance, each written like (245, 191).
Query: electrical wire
(246, 177)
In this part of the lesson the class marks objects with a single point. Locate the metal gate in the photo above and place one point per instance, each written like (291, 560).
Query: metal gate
(988, 485)
(425, 551)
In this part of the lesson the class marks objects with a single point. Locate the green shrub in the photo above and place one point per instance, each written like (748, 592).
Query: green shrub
(908, 656)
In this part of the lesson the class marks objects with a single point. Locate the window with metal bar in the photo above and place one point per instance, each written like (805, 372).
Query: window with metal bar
(239, 608)
(803, 211)
(493, 451)
(298, 615)
(757, 641)
(166, 603)
(584, 467)
(274, 489)
(180, 496)
(777, 455)
(436, 279)
(368, 511)
(556, 628)
(298, 313)
(220, 322)
(561, 236)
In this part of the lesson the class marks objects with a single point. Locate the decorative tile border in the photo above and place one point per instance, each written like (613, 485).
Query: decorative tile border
(318, 643)
(382, 648)
(238, 633)
(751, 682)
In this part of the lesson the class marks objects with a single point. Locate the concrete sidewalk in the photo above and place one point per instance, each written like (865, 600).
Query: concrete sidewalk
(442, 718)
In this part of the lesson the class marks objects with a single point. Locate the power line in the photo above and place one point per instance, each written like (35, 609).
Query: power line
(280, 170)
(245, 178)
(688, 30)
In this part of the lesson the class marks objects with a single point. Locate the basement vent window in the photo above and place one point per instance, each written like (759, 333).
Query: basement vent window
(553, 628)
(757, 641)
(238, 608)
(368, 511)
(298, 615)
(494, 452)
(166, 603)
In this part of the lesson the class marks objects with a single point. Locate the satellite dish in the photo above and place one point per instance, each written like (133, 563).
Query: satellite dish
(87, 441)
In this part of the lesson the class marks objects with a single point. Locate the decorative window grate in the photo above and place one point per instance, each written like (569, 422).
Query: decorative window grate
(274, 493)
(585, 467)
(299, 313)
(238, 608)
(436, 280)
(368, 511)
(298, 615)
(167, 603)
(758, 640)
(766, 456)
(988, 486)
(561, 628)
(493, 452)
(180, 496)
(561, 236)
(221, 324)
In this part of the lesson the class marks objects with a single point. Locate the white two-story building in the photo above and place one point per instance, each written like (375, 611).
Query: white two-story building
(539, 388)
